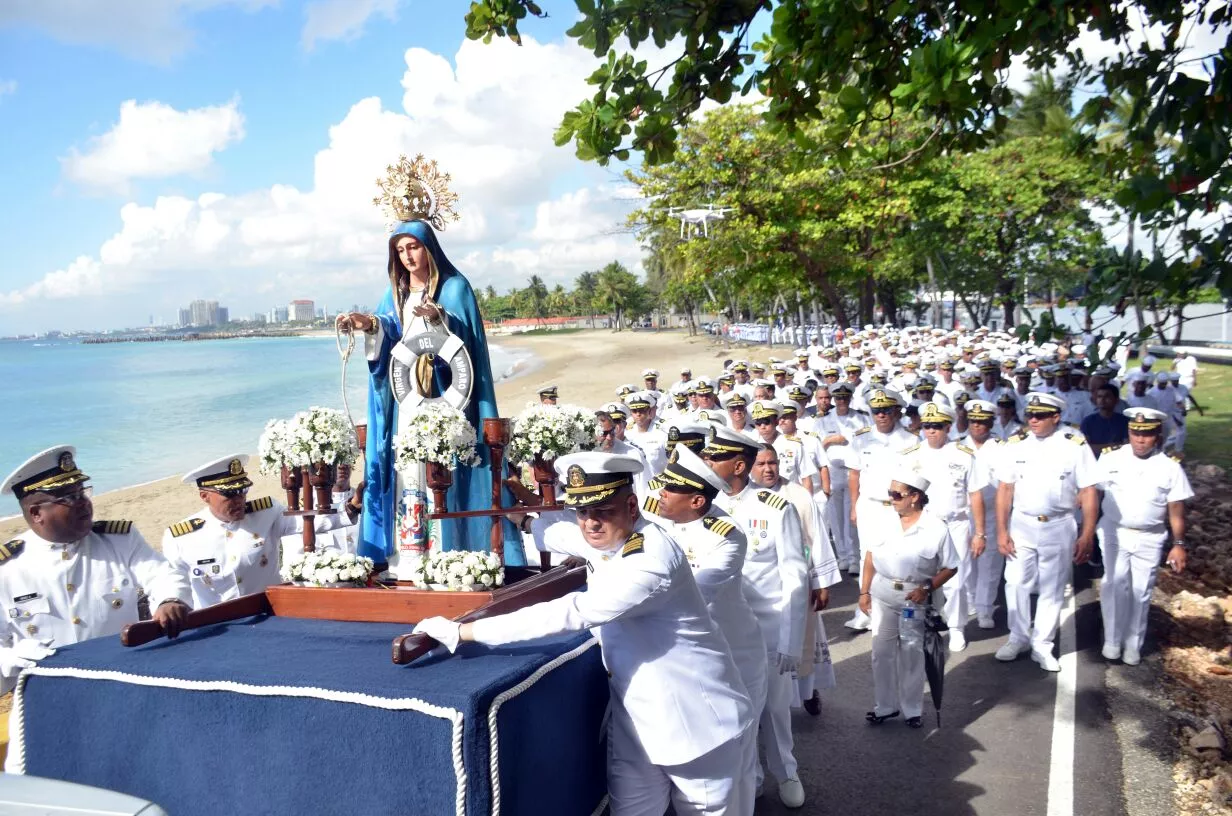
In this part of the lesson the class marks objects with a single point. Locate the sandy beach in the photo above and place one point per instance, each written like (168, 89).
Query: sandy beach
(587, 366)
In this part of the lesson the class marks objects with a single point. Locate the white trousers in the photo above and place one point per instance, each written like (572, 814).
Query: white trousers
(1131, 564)
(706, 785)
(898, 662)
(956, 589)
(838, 517)
(775, 727)
(986, 570)
(1045, 555)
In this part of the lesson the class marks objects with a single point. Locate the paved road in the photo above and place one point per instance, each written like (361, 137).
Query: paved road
(993, 753)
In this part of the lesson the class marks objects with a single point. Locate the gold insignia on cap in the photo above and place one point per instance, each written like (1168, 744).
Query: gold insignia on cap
(577, 476)
(236, 467)
(673, 434)
(1140, 418)
(66, 461)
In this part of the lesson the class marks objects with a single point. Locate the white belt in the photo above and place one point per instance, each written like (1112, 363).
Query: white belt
(901, 583)
(1053, 517)
(1157, 528)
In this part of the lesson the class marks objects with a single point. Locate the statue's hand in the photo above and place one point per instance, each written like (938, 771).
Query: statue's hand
(355, 321)
(431, 310)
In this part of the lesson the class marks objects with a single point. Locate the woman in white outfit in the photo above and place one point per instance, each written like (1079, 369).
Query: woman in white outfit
(900, 572)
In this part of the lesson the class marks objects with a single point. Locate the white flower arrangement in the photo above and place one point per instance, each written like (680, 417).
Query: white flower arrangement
(326, 568)
(550, 431)
(316, 435)
(435, 432)
(271, 447)
(459, 570)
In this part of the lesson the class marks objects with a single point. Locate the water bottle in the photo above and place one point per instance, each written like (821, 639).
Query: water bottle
(911, 626)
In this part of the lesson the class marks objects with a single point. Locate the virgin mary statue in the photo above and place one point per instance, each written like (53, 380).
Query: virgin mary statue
(425, 292)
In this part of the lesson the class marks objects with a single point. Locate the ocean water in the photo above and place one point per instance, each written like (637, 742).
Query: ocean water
(143, 411)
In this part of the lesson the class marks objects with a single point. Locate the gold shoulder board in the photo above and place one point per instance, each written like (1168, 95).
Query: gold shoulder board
(185, 527)
(717, 525)
(11, 550)
(263, 503)
(1174, 456)
(1077, 439)
(912, 449)
(1018, 437)
(964, 448)
(773, 499)
(112, 527)
(633, 546)
(863, 430)
(651, 505)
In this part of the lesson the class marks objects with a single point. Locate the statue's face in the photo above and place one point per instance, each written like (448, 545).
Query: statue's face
(413, 255)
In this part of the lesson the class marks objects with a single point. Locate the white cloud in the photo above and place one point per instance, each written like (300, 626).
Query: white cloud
(153, 140)
(341, 19)
(8, 87)
(151, 30)
(528, 207)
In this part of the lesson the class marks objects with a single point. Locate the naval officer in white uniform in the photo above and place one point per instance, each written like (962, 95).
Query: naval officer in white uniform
(680, 711)
(70, 578)
(230, 547)
(715, 548)
(1045, 475)
(1144, 500)
(776, 586)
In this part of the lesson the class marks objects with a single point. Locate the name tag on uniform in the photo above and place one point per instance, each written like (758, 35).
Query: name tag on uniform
(204, 561)
(23, 598)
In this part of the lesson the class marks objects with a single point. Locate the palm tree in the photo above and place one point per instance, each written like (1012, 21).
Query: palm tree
(584, 290)
(1046, 109)
(536, 294)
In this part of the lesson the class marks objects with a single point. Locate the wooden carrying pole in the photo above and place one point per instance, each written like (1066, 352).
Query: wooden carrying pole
(559, 581)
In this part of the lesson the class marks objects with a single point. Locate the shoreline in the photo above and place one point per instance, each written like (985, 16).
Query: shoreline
(587, 366)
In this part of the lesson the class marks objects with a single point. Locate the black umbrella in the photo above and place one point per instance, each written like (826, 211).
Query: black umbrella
(934, 656)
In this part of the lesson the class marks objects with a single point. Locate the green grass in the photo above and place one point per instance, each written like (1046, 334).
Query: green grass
(534, 332)
(1210, 436)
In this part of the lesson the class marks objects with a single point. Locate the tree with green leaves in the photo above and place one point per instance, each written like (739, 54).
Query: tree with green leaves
(945, 63)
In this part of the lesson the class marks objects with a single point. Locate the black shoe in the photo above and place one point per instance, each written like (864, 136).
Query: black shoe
(813, 704)
(875, 719)
(915, 722)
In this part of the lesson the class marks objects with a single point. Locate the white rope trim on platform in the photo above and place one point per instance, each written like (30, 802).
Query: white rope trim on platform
(17, 748)
(507, 695)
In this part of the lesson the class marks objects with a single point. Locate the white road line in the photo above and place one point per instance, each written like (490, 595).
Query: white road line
(1061, 769)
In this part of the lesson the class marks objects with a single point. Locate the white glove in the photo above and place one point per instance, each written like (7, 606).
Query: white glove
(23, 654)
(442, 630)
(787, 663)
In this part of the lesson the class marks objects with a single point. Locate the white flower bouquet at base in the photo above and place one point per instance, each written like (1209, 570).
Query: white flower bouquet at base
(327, 568)
(550, 432)
(435, 432)
(272, 447)
(320, 435)
(459, 570)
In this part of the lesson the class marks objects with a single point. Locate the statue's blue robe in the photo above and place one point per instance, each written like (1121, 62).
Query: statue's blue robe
(472, 487)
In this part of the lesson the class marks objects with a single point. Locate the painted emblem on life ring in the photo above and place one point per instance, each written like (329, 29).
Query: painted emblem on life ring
(450, 348)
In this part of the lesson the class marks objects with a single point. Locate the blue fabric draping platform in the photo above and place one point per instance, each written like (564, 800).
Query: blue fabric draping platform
(287, 716)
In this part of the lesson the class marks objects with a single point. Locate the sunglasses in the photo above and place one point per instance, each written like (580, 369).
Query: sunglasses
(896, 496)
(880, 411)
(1049, 415)
(934, 426)
(68, 501)
(766, 421)
(229, 494)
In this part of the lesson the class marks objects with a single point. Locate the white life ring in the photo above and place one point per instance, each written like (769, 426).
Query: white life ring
(403, 364)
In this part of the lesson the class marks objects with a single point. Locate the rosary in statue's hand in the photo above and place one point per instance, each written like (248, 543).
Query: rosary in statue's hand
(355, 321)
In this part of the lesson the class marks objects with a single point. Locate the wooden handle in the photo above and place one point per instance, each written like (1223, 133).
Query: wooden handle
(138, 634)
(553, 584)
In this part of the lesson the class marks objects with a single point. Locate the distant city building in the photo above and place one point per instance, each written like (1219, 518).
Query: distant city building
(203, 313)
(259, 319)
(302, 311)
(278, 314)
(321, 313)
(224, 316)
(185, 318)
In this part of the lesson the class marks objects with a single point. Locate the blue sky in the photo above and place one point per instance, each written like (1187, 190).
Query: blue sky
(157, 151)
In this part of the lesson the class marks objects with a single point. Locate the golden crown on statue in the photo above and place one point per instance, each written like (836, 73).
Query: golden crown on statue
(417, 191)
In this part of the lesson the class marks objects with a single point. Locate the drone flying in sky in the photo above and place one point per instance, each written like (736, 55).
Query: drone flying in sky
(691, 219)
